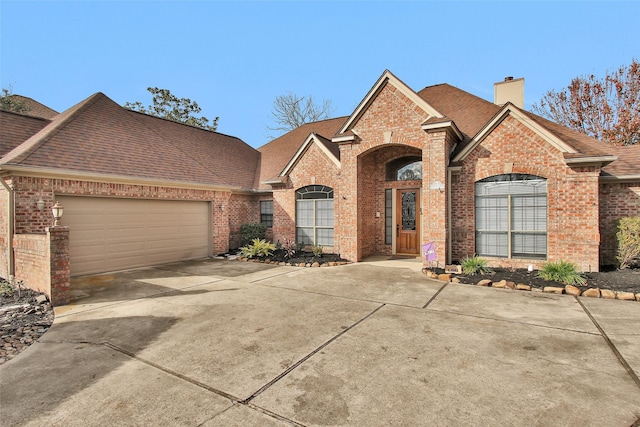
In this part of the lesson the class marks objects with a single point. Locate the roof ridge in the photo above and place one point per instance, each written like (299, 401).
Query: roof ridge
(28, 147)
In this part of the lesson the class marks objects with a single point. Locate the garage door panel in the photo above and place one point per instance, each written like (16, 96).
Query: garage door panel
(109, 234)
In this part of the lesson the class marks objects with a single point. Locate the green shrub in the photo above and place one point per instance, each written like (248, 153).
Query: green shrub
(563, 272)
(628, 240)
(258, 247)
(249, 232)
(317, 251)
(475, 265)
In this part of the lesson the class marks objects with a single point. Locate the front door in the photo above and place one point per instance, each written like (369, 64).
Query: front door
(408, 221)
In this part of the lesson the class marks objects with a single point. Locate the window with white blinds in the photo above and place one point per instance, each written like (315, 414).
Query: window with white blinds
(511, 216)
(314, 215)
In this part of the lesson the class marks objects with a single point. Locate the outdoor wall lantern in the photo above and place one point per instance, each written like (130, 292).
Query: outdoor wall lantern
(57, 210)
(221, 207)
(40, 204)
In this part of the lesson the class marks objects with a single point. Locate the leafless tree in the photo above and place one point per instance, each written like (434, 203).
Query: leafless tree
(291, 111)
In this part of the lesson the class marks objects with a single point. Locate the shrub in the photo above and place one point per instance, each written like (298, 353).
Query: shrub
(628, 240)
(475, 265)
(563, 272)
(290, 248)
(258, 247)
(249, 232)
(317, 251)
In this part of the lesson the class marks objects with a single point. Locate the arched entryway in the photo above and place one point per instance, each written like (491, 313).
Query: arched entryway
(390, 201)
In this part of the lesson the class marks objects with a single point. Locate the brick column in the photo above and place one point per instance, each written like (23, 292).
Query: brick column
(59, 268)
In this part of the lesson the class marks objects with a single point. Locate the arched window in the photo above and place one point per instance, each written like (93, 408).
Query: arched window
(405, 169)
(511, 216)
(314, 215)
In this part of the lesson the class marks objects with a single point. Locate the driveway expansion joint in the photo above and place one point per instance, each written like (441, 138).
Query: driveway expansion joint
(308, 356)
(435, 295)
(612, 346)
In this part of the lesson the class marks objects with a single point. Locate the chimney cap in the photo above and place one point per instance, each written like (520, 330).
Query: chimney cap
(508, 78)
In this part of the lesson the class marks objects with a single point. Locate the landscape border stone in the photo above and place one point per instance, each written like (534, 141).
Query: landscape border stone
(567, 290)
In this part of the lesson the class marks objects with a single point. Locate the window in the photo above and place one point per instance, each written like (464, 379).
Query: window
(405, 169)
(314, 215)
(511, 216)
(266, 212)
(388, 216)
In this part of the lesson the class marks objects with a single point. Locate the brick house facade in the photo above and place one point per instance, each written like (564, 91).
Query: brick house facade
(405, 168)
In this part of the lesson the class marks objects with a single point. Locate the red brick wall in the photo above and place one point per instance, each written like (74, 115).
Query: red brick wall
(617, 200)
(313, 167)
(573, 233)
(42, 263)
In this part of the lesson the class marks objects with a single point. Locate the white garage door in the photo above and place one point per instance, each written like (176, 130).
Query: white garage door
(108, 234)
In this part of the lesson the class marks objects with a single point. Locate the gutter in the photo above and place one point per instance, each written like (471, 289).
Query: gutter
(10, 205)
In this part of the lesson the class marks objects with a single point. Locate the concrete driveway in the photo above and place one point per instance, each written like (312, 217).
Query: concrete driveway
(226, 343)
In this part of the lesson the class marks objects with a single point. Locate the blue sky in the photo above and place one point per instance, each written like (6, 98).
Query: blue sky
(235, 58)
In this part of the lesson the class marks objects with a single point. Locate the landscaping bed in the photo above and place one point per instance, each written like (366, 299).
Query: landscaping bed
(626, 280)
(301, 257)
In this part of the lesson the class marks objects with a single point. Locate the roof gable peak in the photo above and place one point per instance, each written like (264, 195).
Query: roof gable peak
(385, 79)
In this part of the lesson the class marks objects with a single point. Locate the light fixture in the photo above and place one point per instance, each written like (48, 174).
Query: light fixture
(530, 268)
(57, 210)
(40, 204)
(221, 207)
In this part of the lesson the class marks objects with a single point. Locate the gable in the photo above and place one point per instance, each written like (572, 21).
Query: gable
(387, 83)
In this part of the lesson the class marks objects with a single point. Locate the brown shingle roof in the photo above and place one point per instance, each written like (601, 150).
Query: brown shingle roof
(99, 136)
(469, 112)
(277, 153)
(15, 128)
(36, 109)
(628, 162)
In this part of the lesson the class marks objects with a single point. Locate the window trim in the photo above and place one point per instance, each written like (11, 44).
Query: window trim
(266, 218)
(509, 231)
(315, 194)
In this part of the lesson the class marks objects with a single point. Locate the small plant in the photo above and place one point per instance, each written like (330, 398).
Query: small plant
(6, 288)
(628, 237)
(258, 247)
(475, 265)
(317, 251)
(299, 247)
(249, 232)
(290, 248)
(563, 272)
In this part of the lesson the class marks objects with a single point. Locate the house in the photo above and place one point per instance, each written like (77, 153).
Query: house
(439, 165)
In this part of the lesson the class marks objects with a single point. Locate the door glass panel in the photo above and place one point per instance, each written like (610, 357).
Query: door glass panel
(409, 211)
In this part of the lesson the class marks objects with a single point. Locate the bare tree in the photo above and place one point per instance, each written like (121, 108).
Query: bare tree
(607, 109)
(291, 111)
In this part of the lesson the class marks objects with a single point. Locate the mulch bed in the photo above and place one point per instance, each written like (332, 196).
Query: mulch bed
(23, 319)
(627, 280)
(301, 257)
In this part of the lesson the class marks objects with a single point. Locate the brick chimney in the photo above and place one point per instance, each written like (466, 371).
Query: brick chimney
(510, 90)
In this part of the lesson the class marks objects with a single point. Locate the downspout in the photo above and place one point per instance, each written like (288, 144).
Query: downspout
(10, 196)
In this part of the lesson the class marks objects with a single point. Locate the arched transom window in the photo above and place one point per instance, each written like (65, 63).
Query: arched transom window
(511, 216)
(314, 215)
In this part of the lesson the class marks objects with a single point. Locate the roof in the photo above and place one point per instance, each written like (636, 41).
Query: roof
(277, 153)
(15, 128)
(627, 164)
(98, 136)
(36, 109)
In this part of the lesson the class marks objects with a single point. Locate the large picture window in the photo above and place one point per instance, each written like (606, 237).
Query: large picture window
(511, 216)
(314, 215)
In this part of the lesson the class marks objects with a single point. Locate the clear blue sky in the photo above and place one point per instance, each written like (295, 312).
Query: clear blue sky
(234, 58)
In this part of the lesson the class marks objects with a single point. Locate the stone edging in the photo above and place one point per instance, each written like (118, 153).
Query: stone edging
(568, 289)
(302, 264)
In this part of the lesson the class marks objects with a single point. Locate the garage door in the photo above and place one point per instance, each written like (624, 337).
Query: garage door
(113, 234)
